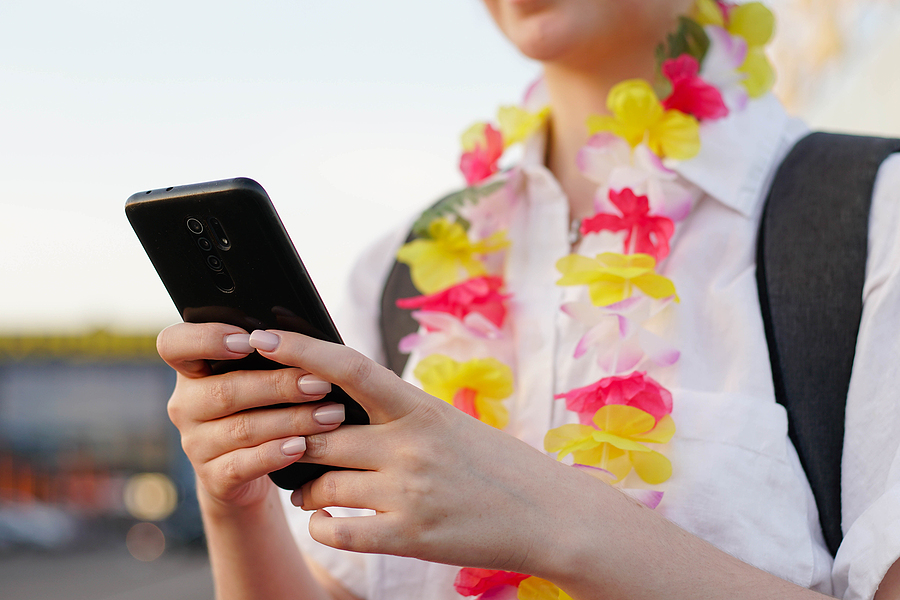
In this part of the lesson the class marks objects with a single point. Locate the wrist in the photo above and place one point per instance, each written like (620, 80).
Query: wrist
(259, 503)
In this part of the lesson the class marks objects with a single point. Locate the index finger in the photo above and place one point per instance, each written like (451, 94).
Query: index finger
(383, 395)
(187, 346)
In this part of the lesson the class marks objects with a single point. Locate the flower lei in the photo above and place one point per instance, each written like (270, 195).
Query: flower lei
(708, 68)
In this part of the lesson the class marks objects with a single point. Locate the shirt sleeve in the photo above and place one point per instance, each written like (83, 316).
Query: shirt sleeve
(357, 320)
(870, 470)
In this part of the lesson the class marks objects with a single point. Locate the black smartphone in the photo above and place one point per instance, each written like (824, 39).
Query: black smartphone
(224, 256)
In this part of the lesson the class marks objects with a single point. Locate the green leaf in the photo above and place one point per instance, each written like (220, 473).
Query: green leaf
(450, 205)
(689, 38)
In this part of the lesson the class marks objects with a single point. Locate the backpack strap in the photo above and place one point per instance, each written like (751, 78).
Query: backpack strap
(811, 263)
(395, 322)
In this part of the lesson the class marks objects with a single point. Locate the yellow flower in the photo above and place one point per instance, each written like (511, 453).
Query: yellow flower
(617, 442)
(474, 137)
(476, 387)
(638, 116)
(756, 24)
(446, 257)
(535, 588)
(611, 277)
(517, 124)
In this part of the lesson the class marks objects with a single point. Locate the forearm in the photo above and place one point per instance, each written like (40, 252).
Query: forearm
(621, 549)
(253, 554)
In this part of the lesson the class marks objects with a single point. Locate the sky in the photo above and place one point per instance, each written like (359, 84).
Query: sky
(347, 112)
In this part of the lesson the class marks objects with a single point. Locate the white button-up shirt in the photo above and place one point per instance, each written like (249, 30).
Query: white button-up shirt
(737, 481)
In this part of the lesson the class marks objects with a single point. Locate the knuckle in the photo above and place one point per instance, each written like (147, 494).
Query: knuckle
(341, 536)
(284, 384)
(358, 370)
(240, 428)
(316, 446)
(328, 489)
(220, 394)
(230, 474)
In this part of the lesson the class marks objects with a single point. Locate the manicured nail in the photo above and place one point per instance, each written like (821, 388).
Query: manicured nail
(312, 385)
(294, 446)
(239, 342)
(264, 340)
(329, 414)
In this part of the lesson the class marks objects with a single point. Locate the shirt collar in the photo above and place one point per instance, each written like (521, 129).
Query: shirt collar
(738, 153)
(736, 159)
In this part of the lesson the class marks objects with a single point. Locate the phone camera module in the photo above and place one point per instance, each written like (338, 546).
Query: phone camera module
(214, 262)
(219, 234)
(195, 225)
(204, 244)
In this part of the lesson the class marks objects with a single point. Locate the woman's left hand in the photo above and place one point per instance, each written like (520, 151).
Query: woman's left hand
(445, 487)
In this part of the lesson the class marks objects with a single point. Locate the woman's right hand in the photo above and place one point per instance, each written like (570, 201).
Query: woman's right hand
(230, 436)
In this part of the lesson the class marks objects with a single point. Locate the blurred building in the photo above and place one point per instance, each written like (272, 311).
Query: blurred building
(82, 423)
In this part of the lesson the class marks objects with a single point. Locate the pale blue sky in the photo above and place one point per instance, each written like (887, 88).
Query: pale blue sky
(348, 112)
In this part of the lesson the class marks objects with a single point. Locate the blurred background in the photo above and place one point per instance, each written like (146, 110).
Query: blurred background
(348, 113)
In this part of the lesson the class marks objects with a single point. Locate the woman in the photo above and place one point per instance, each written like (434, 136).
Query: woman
(665, 253)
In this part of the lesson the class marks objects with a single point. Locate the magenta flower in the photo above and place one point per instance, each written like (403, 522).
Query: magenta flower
(480, 162)
(644, 233)
(691, 94)
(474, 582)
(637, 390)
(478, 294)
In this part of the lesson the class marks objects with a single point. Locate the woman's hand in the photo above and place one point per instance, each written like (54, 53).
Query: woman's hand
(444, 486)
(231, 437)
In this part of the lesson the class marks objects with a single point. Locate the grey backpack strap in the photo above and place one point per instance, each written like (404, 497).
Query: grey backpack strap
(811, 260)
(395, 323)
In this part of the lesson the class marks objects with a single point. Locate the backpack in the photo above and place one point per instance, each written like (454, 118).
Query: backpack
(822, 190)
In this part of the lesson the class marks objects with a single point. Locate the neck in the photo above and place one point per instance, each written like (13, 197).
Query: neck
(575, 94)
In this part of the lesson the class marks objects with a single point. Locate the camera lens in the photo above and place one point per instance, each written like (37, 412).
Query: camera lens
(214, 262)
(204, 244)
(194, 225)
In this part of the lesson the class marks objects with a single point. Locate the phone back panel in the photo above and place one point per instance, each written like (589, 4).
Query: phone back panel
(224, 256)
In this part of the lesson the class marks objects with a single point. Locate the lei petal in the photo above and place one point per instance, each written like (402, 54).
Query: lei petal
(650, 234)
(753, 22)
(517, 124)
(446, 257)
(638, 116)
(535, 588)
(476, 295)
(472, 582)
(636, 389)
(616, 441)
(759, 71)
(690, 93)
(610, 276)
(477, 386)
(483, 147)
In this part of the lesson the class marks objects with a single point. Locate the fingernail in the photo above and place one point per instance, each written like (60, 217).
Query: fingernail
(312, 385)
(329, 414)
(294, 446)
(264, 340)
(239, 342)
(297, 498)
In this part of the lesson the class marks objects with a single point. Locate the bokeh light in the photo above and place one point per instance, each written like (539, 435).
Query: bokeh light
(145, 541)
(150, 496)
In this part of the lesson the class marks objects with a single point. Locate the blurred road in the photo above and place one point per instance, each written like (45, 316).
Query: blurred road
(110, 574)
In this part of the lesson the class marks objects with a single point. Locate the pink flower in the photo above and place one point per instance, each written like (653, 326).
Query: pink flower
(637, 390)
(472, 582)
(720, 66)
(480, 162)
(609, 161)
(478, 294)
(691, 94)
(649, 234)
